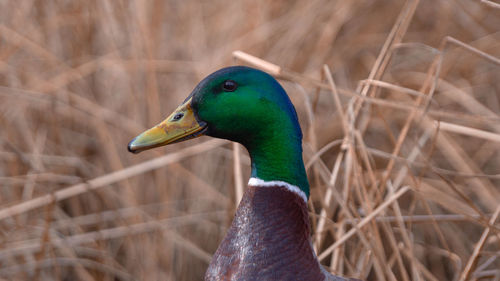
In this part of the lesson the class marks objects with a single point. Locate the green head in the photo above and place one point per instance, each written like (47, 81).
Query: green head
(244, 105)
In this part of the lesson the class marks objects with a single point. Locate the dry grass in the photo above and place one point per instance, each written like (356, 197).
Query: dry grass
(399, 103)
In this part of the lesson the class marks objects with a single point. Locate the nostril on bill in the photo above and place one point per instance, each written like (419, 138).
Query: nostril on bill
(178, 116)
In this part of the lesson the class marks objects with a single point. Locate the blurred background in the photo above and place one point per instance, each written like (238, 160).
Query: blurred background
(401, 141)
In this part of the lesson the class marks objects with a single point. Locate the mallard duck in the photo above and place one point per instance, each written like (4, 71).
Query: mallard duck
(269, 238)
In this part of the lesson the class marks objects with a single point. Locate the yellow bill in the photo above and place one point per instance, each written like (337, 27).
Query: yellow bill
(179, 126)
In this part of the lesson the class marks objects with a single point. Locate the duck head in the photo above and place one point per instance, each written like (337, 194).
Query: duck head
(244, 105)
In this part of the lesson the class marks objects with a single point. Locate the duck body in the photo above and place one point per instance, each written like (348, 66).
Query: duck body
(269, 238)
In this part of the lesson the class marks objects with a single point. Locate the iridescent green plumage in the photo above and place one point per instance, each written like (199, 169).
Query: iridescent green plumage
(259, 115)
(256, 113)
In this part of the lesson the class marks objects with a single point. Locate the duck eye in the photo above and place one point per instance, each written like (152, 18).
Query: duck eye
(178, 116)
(229, 86)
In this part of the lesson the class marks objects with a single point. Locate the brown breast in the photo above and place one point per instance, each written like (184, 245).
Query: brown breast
(268, 240)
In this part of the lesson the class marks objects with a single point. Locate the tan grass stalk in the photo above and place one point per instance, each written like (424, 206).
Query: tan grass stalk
(425, 272)
(445, 126)
(491, 4)
(478, 248)
(395, 36)
(364, 221)
(238, 177)
(457, 157)
(449, 39)
(336, 167)
(167, 224)
(116, 272)
(108, 179)
(257, 62)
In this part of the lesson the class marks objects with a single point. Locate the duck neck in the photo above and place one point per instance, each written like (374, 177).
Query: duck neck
(278, 157)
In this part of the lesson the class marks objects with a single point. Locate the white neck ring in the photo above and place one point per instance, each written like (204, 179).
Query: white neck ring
(295, 189)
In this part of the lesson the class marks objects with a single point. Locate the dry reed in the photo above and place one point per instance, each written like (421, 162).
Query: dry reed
(398, 101)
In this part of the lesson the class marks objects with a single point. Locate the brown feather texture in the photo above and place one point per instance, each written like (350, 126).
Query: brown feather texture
(268, 240)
